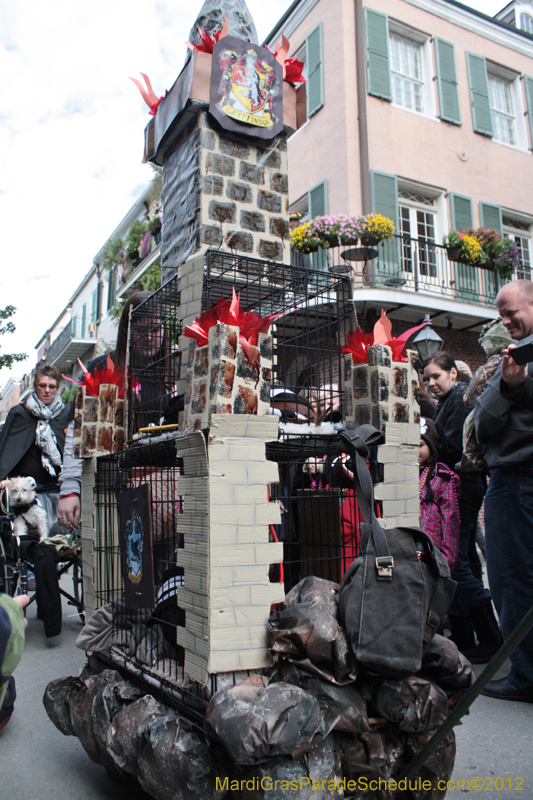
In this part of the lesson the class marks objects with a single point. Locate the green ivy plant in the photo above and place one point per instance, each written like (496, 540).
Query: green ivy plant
(157, 184)
(68, 394)
(149, 281)
(111, 253)
(135, 237)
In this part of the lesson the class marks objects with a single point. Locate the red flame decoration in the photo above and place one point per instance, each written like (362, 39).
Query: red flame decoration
(358, 342)
(111, 374)
(292, 68)
(207, 40)
(250, 323)
(148, 94)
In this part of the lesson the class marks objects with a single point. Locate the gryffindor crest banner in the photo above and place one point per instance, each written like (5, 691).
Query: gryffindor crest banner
(246, 88)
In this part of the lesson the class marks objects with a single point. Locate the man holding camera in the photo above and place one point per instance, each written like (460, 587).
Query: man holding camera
(504, 428)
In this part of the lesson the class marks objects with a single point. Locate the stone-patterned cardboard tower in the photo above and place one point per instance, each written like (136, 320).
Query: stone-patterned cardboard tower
(382, 393)
(232, 192)
(219, 190)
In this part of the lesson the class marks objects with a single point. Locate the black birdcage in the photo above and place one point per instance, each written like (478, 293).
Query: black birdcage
(319, 521)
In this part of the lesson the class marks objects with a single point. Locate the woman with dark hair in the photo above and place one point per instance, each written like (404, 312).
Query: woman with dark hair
(152, 365)
(471, 609)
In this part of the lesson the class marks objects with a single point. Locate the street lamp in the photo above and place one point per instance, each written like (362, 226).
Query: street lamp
(427, 341)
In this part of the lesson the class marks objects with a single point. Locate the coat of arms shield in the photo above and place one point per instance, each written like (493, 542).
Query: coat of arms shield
(246, 88)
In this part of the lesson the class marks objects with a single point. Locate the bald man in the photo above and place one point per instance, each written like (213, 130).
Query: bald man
(504, 428)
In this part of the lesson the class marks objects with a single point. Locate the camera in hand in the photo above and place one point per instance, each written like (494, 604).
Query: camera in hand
(522, 353)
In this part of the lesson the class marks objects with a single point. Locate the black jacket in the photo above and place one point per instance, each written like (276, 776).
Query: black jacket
(18, 434)
(450, 417)
(504, 421)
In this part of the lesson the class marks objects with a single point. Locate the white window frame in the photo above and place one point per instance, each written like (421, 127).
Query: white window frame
(517, 99)
(510, 230)
(439, 204)
(529, 25)
(423, 41)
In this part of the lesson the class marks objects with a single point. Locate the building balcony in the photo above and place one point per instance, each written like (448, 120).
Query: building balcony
(68, 347)
(416, 272)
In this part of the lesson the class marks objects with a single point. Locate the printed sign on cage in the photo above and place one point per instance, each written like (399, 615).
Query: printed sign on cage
(136, 547)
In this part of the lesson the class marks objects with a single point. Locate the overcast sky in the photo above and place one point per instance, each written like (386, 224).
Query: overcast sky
(71, 136)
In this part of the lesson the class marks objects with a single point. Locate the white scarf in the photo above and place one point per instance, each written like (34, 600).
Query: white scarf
(45, 438)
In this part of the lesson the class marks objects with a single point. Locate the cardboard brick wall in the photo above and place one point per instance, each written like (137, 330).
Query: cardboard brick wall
(227, 553)
(399, 493)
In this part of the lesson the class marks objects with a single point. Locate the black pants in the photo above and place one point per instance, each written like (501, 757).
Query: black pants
(44, 559)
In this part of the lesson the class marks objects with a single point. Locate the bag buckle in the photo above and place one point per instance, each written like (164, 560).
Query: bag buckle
(384, 566)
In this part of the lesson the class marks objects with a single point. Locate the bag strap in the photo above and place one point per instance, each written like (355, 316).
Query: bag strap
(356, 444)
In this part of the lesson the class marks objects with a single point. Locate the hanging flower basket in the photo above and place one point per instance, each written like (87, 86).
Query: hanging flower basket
(485, 248)
(375, 228)
(324, 232)
(454, 254)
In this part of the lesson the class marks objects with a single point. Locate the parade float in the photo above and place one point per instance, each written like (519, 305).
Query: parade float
(219, 511)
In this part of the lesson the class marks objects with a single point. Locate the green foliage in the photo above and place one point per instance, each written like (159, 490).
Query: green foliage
(69, 393)
(157, 184)
(135, 237)
(151, 279)
(8, 359)
(116, 311)
(111, 252)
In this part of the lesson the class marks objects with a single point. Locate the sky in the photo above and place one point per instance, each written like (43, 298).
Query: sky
(71, 137)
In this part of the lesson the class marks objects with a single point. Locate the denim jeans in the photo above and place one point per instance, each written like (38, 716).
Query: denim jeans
(509, 550)
(470, 590)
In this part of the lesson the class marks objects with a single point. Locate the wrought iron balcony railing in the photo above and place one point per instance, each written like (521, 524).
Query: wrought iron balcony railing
(415, 265)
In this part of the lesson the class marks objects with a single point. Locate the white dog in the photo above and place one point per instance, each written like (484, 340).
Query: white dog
(23, 501)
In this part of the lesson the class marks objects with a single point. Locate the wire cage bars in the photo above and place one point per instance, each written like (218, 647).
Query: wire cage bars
(319, 524)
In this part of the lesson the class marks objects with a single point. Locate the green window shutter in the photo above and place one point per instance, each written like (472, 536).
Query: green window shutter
(317, 203)
(384, 200)
(377, 54)
(479, 93)
(315, 77)
(450, 110)
(93, 305)
(490, 216)
(461, 208)
(466, 278)
(83, 320)
(111, 287)
(318, 200)
(384, 195)
(528, 84)
(98, 302)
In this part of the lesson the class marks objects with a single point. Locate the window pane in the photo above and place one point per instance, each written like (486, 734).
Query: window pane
(526, 23)
(502, 111)
(523, 245)
(406, 73)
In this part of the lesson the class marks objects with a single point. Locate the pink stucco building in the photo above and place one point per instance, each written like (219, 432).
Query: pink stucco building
(421, 110)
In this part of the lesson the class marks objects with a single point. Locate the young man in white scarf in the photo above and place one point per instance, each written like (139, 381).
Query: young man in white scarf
(31, 445)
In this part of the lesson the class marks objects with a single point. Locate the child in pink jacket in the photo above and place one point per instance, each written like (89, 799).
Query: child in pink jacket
(439, 492)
